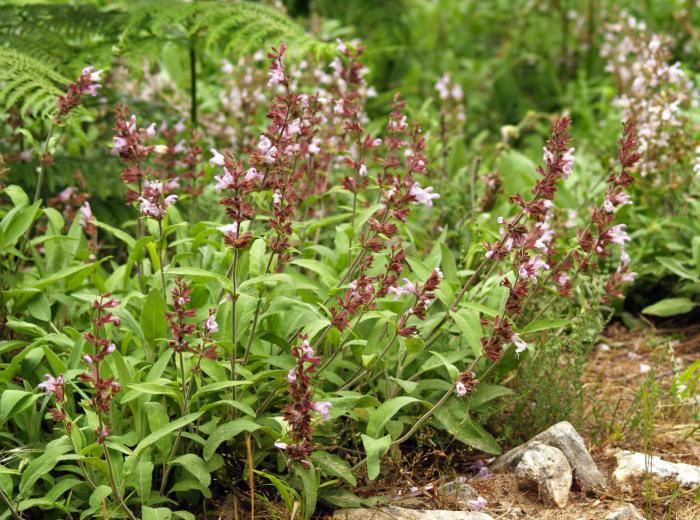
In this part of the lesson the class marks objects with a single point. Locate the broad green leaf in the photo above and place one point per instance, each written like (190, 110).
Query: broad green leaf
(121, 235)
(677, 268)
(540, 325)
(156, 513)
(333, 466)
(227, 432)
(287, 493)
(309, 482)
(195, 466)
(43, 464)
(13, 402)
(384, 413)
(468, 323)
(197, 273)
(486, 392)
(154, 323)
(464, 429)
(452, 370)
(670, 307)
(375, 450)
(154, 437)
(258, 259)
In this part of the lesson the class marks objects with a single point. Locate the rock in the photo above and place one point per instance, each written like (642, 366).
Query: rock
(632, 464)
(548, 470)
(626, 512)
(399, 513)
(564, 437)
(460, 490)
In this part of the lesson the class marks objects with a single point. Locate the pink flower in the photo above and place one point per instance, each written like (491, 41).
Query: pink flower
(532, 267)
(307, 350)
(210, 325)
(291, 376)
(51, 384)
(118, 144)
(151, 130)
(323, 407)
(477, 504)
(618, 235)
(461, 389)
(217, 159)
(520, 345)
(281, 445)
(568, 162)
(276, 76)
(363, 170)
(229, 229)
(252, 175)
(408, 288)
(85, 214)
(423, 196)
(224, 183)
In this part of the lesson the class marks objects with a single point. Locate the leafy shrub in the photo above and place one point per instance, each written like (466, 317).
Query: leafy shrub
(282, 324)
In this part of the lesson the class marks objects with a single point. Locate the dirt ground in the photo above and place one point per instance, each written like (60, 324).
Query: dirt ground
(621, 366)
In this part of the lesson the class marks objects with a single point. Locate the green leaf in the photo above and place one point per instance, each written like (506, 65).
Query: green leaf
(464, 429)
(381, 415)
(226, 432)
(327, 276)
(154, 437)
(154, 324)
(468, 323)
(309, 482)
(199, 274)
(42, 465)
(452, 370)
(486, 392)
(540, 325)
(677, 268)
(670, 307)
(257, 258)
(99, 494)
(375, 449)
(156, 513)
(285, 490)
(39, 307)
(195, 466)
(121, 235)
(143, 477)
(333, 466)
(14, 402)
(16, 222)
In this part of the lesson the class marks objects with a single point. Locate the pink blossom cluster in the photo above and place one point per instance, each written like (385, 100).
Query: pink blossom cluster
(298, 413)
(656, 94)
(104, 388)
(87, 83)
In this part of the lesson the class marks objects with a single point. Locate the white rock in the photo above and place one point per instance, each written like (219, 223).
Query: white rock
(564, 437)
(399, 513)
(547, 469)
(460, 490)
(632, 464)
(626, 512)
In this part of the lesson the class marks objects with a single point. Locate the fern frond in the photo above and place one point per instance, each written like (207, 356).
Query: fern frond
(27, 80)
(233, 27)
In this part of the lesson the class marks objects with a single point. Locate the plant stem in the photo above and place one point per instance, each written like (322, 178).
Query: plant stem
(42, 162)
(113, 485)
(193, 84)
(10, 506)
(234, 328)
(161, 259)
(184, 410)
